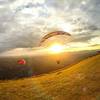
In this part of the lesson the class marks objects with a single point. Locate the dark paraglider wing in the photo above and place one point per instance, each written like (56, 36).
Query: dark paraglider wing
(53, 34)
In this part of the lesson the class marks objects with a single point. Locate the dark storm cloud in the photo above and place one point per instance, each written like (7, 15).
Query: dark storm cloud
(24, 22)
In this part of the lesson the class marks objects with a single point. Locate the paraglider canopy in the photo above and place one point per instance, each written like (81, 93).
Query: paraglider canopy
(21, 62)
(49, 35)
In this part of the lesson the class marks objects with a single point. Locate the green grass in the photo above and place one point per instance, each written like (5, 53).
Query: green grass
(79, 82)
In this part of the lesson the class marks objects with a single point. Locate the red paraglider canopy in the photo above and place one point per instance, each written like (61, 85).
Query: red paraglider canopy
(21, 62)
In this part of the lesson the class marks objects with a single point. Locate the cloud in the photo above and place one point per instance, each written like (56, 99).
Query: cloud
(95, 41)
(24, 22)
(77, 44)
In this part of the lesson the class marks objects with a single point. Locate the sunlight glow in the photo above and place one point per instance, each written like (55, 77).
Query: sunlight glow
(56, 48)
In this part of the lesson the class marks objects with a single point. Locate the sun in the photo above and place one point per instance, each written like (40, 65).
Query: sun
(56, 48)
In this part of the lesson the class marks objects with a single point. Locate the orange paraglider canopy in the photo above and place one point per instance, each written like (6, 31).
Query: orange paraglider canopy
(21, 61)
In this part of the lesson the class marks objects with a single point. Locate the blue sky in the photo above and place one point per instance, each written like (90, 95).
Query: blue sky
(24, 22)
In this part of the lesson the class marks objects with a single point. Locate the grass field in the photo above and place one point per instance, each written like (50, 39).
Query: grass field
(79, 82)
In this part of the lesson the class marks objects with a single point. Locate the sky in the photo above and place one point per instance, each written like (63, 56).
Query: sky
(23, 23)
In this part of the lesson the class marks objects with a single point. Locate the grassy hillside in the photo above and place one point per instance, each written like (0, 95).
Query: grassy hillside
(79, 82)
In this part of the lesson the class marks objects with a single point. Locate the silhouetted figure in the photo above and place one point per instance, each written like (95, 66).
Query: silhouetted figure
(58, 62)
